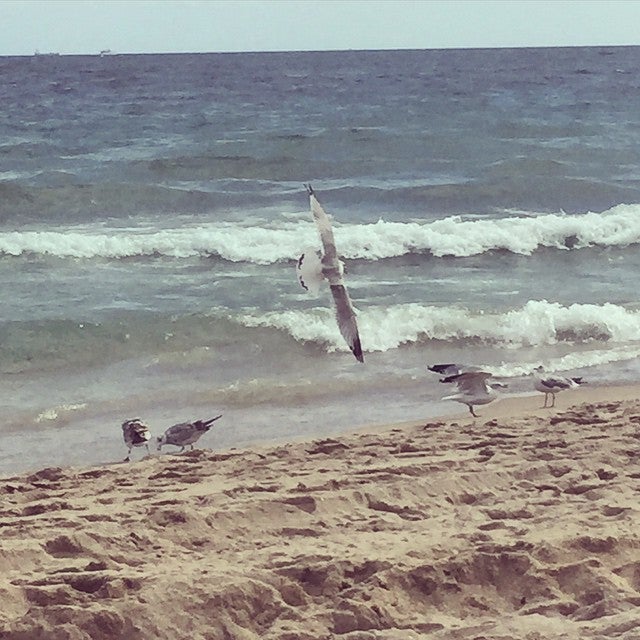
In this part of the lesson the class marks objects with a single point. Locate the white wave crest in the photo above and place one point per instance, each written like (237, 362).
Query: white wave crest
(283, 241)
(537, 323)
(60, 412)
(454, 236)
(232, 242)
(568, 362)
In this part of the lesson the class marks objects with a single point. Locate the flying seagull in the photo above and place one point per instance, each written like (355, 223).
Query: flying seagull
(552, 384)
(473, 389)
(185, 433)
(313, 268)
(136, 434)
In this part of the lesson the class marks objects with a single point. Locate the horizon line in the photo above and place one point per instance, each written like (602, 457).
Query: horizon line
(110, 52)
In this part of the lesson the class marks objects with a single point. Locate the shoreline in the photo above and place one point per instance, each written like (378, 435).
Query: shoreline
(507, 405)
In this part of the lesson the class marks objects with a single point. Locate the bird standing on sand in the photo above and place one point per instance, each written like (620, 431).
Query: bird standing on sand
(185, 433)
(551, 384)
(312, 269)
(473, 389)
(136, 434)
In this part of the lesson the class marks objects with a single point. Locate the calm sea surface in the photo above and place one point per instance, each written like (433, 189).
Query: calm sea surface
(486, 204)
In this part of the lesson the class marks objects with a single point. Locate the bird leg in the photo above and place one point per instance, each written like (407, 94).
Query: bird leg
(473, 413)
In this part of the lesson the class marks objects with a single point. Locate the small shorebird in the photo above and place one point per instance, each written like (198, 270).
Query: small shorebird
(313, 269)
(185, 433)
(473, 389)
(551, 384)
(136, 434)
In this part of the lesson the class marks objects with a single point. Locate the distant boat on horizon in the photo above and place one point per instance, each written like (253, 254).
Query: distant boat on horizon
(51, 53)
(107, 52)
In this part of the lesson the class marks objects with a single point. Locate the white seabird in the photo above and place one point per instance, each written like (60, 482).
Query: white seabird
(473, 389)
(185, 433)
(136, 434)
(552, 384)
(312, 269)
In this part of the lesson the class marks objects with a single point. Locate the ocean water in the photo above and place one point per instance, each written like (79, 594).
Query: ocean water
(486, 204)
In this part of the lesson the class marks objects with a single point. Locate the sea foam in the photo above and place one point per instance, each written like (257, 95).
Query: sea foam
(537, 323)
(283, 240)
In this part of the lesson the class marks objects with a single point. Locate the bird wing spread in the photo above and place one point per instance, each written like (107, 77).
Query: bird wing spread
(472, 382)
(331, 270)
(330, 262)
(346, 317)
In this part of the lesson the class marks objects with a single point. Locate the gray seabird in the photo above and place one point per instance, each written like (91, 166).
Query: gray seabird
(552, 384)
(473, 389)
(136, 434)
(185, 433)
(312, 269)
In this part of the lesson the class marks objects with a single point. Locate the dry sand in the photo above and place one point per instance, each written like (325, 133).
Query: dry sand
(524, 524)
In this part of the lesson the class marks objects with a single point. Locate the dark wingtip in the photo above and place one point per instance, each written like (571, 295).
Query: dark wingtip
(356, 349)
(309, 189)
(440, 368)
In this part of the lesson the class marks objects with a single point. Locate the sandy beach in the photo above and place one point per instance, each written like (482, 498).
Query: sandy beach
(524, 523)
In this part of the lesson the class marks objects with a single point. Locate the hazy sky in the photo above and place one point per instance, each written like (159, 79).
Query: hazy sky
(132, 26)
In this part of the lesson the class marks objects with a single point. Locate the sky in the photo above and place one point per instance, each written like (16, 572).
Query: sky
(160, 26)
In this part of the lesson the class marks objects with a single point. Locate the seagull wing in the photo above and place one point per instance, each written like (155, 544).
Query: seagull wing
(449, 369)
(135, 432)
(557, 383)
(141, 434)
(180, 433)
(347, 319)
(331, 270)
(330, 260)
(472, 382)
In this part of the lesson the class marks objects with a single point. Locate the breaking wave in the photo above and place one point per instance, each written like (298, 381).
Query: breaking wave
(282, 240)
(537, 323)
